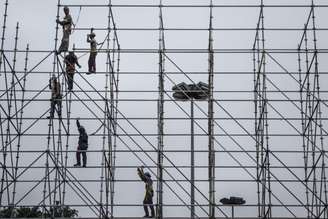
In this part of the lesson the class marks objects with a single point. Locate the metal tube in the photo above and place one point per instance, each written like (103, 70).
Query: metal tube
(192, 161)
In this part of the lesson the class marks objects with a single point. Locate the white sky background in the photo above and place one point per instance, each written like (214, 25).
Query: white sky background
(37, 27)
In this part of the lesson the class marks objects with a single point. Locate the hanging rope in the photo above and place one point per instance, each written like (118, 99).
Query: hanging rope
(77, 20)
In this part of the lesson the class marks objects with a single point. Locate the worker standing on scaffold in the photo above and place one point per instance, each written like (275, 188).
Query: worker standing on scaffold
(93, 51)
(70, 61)
(56, 97)
(82, 145)
(66, 23)
(148, 199)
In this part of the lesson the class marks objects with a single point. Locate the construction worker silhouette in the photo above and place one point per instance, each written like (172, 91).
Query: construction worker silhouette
(66, 23)
(56, 97)
(93, 51)
(148, 199)
(70, 61)
(82, 145)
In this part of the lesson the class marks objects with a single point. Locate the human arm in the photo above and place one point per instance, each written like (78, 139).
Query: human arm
(141, 174)
(77, 62)
(65, 21)
(78, 123)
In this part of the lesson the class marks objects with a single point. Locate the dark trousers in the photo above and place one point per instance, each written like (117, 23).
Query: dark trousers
(78, 157)
(70, 80)
(92, 62)
(148, 202)
(56, 102)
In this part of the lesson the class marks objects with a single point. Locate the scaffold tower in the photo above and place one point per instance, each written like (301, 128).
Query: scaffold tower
(223, 103)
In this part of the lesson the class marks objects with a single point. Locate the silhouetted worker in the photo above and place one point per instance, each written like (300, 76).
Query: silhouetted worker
(56, 97)
(70, 61)
(93, 51)
(66, 23)
(148, 199)
(82, 146)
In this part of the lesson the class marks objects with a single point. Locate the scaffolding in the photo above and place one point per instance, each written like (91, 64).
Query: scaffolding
(259, 133)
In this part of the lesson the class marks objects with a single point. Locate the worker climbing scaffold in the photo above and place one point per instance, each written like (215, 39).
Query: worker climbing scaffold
(82, 145)
(70, 61)
(93, 51)
(66, 23)
(56, 97)
(148, 199)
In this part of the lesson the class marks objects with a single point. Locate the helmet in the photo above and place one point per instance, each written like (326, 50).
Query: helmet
(147, 174)
(92, 34)
(66, 8)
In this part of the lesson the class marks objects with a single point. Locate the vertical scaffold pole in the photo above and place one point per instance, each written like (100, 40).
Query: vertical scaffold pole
(1, 127)
(20, 125)
(264, 192)
(13, 97)
(3, 32)
(160, 117)
(192, 160)
(211, 152)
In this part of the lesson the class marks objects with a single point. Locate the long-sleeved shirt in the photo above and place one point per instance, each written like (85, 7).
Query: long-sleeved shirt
(83, 137)
(148, 182)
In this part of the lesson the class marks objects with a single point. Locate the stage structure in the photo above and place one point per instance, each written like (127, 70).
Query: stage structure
(257, 127)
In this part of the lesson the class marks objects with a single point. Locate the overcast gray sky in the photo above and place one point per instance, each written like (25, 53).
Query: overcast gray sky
(37, 28)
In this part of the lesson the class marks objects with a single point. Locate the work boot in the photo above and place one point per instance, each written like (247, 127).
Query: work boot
(146, 216)
(77, 165)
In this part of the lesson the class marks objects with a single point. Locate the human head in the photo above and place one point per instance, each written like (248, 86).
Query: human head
(71, 53)
(66, 10)
(81, 129)
(54, 79)
(147, 174)
(92, 35)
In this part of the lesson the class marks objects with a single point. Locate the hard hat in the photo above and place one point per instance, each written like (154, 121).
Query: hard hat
(66, 8)
(147, 174)
(92, 34)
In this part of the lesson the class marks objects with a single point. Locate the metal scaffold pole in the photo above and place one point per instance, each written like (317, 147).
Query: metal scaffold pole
(211, 150)
(274, 157)
(311, 121)
(160, 116)
(261, 121)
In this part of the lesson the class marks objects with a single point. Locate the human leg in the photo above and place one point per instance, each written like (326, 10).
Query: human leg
(64, 42)
(148, 201)
(94, 62)
(84, 158)
(59, 106)
(52, 108)
(78, 158)
(151, 205)
(70, 80)
(145, 207)
(90, 63)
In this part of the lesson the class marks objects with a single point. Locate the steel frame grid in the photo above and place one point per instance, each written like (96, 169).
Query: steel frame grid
(56, 177)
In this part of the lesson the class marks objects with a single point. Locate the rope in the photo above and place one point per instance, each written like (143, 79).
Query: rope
(77, 20)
